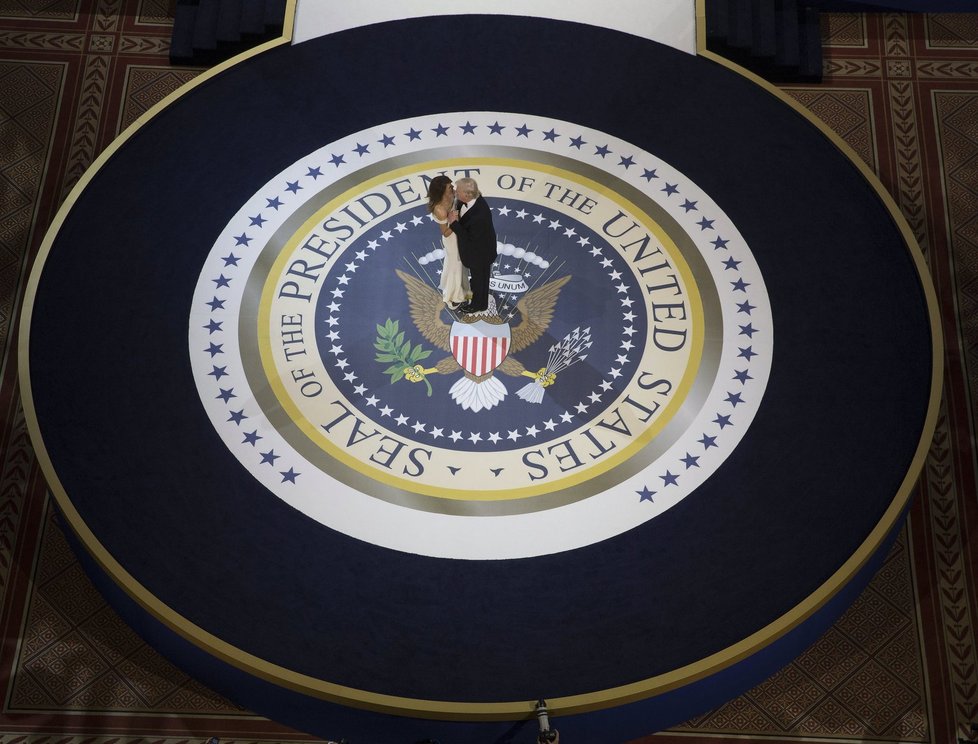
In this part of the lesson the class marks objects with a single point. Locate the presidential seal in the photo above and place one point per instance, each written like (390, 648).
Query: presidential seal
(623, 356)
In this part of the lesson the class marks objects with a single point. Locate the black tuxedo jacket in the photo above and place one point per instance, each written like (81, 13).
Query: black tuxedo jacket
(476, 234)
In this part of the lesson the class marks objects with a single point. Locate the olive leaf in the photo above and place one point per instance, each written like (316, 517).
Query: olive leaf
(392, 347)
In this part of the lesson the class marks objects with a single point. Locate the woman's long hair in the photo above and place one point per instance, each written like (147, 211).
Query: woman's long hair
(436, 190)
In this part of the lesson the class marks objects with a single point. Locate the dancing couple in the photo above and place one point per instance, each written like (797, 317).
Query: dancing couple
(469, 240)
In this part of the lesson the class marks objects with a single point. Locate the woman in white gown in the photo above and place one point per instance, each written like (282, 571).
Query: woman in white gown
(454, 283)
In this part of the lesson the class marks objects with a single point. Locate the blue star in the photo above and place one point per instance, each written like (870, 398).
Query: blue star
(602, 151)
(413, 134)
(251, 437)
(740, 285)
(747, 330)
(732, 263)
(551, 135)
(218, 372)
(496, 128)
(216, 304)
(221, 281)
(689, 206)
(440, 131)
(707, 442)
(292, 186)
(742, 376)
(242, 239)
(386, 141)
(213, 326)
(214, 349)
(691, 461)
(722, 421)
(257, 220)
(230, 260)
(627, 162)
(237, 417)
(337, 160)
(577, 142)
(648, 175)
(361, 150)
(734, 399)
(523, 131)
(747, 353)
(274, 203)
(226, 395)
(719, 243)
(269, 457)
(289, 475)
(671, 188)
(705, 224)
(669, 479)
(468, 127)
(314, 173)
(645, 494)
(745, 307)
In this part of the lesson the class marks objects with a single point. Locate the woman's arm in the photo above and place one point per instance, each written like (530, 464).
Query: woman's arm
(442, 214)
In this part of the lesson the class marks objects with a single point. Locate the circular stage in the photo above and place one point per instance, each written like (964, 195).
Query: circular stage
(671, 454)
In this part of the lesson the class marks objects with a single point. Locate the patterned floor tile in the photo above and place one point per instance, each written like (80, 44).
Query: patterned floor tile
(848, 112)
(40, 9)
(28, 109)
(145, 86)
(952, 31)
(844, 30)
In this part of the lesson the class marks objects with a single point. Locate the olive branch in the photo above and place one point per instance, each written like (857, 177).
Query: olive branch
(391, 347)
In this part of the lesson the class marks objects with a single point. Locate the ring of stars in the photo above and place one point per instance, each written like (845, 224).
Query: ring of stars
(247, 233)
(615, 377)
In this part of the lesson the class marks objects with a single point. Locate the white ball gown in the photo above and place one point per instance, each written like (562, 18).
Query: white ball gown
(454, 282)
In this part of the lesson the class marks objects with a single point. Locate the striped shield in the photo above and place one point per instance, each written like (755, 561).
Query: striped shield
(480, 347)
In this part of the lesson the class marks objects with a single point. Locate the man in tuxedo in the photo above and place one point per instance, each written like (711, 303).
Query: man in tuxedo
(472, 223)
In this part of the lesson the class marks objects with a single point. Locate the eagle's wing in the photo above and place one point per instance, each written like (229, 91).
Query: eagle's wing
(448, 366)
(426, 306)
(511, 366)
(536, 311)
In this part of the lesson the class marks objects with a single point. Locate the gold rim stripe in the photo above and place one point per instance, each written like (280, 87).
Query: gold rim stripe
(337, 451)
